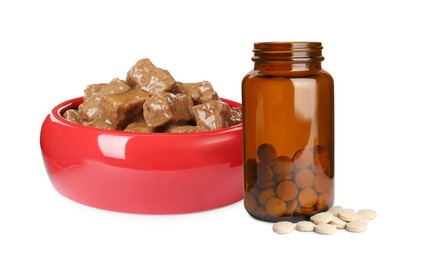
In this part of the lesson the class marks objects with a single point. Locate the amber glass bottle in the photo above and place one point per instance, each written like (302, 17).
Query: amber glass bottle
(288, 132)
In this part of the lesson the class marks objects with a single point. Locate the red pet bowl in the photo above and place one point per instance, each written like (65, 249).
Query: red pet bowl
(155, 173)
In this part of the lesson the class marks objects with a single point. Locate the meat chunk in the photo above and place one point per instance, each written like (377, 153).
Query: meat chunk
(200, 92)
(168, 108)
(139, 126)
(235, 116)
(212, 115)
(120, 109)
(115, 86)
(72, 115)
(89, 109)
(146, 76)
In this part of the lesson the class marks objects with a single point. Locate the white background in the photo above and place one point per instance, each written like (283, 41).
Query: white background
(50, 50)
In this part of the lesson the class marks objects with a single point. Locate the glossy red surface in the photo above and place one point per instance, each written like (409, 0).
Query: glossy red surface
(142, 172)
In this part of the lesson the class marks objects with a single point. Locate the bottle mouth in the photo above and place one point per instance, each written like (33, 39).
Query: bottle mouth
(288, 52)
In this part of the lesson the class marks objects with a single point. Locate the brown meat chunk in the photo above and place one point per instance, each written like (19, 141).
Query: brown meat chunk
(235, 116)
(146, 76)
(168, 108)
(207, 96)
(99, 122)
(89, 109)
(200, 92)
(183, 129)
(212, 115)
(120, 109)
(115, 86)
(72, 115)
(139, 126)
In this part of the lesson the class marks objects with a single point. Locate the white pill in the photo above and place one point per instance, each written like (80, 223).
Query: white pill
(348, 215)
(322, 217)
(305, 226)
(356, 226)
(325, 229)
(367, 214)
(283, 227)
(335, 210)
(337, 222)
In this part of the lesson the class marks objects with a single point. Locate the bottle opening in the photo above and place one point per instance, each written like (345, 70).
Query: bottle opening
(288, 52)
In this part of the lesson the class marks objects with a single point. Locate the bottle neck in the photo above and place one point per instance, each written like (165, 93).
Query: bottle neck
(287, 58)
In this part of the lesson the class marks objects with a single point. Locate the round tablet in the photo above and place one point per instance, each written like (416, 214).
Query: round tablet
(325, 229)
(335, 210)
(266, 152)
(249, 201)
(265, 195)
(324, 161)
(367, 214)
(283, 227)
(356, 226)
(304, 178)
(250, 169)
(323, 201)
(287, 190)
(302, 158)
(275, 207)
(308, 197)
(322, 183)
(348, 215)
(338, 223)
(282, 165)
(290, 207)
(305, 226)
(264, 172)
(322, 217)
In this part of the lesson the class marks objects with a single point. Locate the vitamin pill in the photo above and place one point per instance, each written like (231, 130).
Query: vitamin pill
(308, 197)
(367, 214)
(304, 178)
(305, 226)
(275, 207)
(302, 158)
(335, 210)
(250, 169)
(320, 163)
(266, 152)
(323, 201)
(283, 165)
(287, 190)
(260, 210)
(264, 172)
(265, 195)
(249, 184)
(338, 222)
(283, 227)
(324, 161)
(249, 201)
(322, 217)
(348, 215)
(356, 226)
(290, 207)
(325, 229)
(322, 183)
(305, 210)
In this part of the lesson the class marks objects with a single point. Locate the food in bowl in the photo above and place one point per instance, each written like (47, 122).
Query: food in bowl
(138, 172)
(150, 100)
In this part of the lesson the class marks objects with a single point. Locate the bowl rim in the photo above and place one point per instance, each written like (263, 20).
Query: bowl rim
(57, 112)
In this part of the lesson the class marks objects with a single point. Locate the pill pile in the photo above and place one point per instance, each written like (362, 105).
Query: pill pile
(278, 186)
(328, 222)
